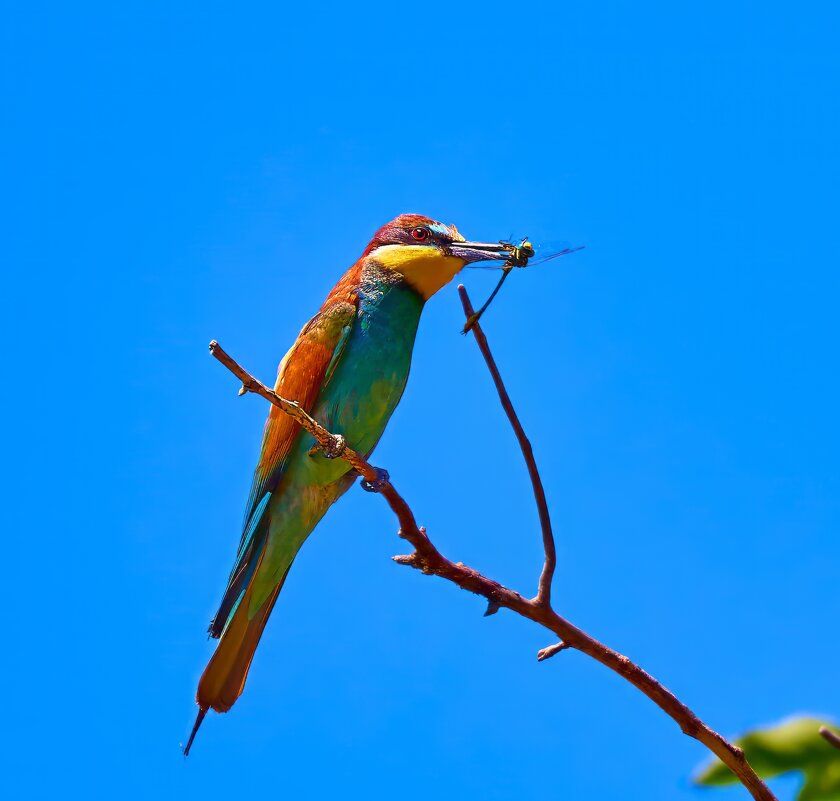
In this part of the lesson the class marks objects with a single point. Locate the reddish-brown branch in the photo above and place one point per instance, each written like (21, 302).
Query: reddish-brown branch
(429, 560)
(830, 736)
(547, 653)
(332, 444)
(547, 574)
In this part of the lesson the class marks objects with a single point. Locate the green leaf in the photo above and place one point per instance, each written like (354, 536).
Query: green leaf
(822, 784)
(794, 744)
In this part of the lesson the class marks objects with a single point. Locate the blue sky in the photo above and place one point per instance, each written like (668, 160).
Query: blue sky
(182, 172)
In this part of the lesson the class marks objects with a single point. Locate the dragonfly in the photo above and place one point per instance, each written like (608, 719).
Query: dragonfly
(520, 255)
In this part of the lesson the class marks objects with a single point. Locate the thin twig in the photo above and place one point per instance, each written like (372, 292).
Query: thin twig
(830, 736)
(429, 560)
(544, 592)
(547, 653)
(332, 444)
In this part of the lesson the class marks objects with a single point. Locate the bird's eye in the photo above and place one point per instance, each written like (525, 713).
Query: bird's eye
(420, 234)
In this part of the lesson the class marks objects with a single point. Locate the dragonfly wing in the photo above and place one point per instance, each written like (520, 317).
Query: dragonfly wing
(540, 256)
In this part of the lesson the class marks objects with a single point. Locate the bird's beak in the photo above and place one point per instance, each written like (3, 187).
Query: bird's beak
(477, 251)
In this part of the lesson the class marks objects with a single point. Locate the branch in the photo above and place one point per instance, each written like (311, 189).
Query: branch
(544, 592)
(547, 653)
(429, 560)
(333, 445)
(829, 736)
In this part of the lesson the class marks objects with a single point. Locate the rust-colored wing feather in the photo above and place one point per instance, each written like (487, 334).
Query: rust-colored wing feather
(300, 378)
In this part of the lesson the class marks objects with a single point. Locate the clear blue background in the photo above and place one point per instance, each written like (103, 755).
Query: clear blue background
(175, 173)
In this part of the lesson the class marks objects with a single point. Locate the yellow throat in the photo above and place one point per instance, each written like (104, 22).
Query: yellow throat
(425, 269)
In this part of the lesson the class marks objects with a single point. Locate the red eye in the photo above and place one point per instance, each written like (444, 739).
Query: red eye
(420, 234)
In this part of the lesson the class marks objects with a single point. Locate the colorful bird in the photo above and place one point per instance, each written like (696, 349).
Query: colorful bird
(347, 368)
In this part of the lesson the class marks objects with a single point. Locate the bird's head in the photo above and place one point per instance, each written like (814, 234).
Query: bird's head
(427, 254)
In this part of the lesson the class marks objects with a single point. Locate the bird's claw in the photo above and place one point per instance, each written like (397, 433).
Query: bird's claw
(336, 447)
(382, 478)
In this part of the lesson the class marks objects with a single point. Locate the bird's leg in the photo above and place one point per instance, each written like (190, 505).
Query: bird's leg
(382, 478)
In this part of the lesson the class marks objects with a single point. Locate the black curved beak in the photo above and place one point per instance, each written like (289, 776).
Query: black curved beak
(478, 251)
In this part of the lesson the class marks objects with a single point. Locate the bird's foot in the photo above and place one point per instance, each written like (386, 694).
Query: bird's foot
(382, 478)
(336, 448)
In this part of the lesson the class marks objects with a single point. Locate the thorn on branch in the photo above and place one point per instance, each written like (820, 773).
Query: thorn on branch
(547, 653)
(416, 561)
(243, 390)
(421, 531)
(492, 607)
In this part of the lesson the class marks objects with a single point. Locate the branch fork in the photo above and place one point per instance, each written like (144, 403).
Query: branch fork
(430, 561)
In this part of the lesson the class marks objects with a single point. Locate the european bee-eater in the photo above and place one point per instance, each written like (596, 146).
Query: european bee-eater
(347, 368)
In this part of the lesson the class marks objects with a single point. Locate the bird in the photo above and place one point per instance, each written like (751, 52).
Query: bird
(347, 368)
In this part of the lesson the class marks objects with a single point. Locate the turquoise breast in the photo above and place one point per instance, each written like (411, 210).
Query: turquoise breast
(372, 371)
(357, 402)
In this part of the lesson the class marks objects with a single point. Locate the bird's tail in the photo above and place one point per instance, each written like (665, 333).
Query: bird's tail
(224, 677)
